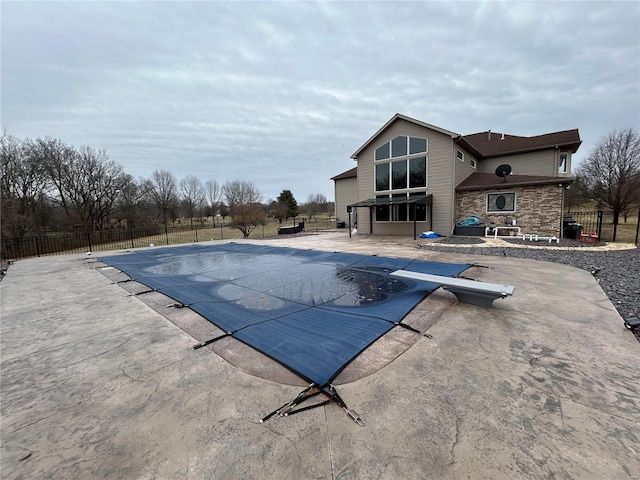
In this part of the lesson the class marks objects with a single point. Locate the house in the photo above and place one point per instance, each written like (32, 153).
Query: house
(346, 193)
(412, 177)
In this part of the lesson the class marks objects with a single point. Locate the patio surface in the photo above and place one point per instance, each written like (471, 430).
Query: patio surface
(96, 383)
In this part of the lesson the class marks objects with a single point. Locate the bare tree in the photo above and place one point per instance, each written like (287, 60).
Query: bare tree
(316, 203)
(213, 192)
(130, 201)
(23, 185)
(612, 170)
(577, 194)
(246, 211)
(240, 191)
(86, 182)
(163, 192)
(192, 196)
(279, 210)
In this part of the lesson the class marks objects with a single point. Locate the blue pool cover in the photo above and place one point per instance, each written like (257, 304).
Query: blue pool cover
(311, 311)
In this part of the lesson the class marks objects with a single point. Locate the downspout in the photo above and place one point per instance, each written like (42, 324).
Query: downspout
(562, 210)
(453, 183)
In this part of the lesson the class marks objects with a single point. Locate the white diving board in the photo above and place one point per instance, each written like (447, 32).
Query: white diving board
(467, 291)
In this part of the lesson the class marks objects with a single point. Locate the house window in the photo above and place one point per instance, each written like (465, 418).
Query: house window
(417, 145)
(382, 211)
(472, 162)
(421, 208)
(382, 177)
(562, 162)
(400, 169)
(501, 202)
(400, 147)
(418, 172)
(382, 152)
(401, 174)
(460, 155)
(401, 212)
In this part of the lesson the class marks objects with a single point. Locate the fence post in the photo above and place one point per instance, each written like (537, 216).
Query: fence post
(37, 246)
(166, 233)
(131, 236)
(221, 233)
(196, 227)
(599, 224)
(89, 240)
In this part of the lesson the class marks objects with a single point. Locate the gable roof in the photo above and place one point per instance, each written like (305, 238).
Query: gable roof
(491, 144)
(479, 181)
(399, 116)
(353, 173)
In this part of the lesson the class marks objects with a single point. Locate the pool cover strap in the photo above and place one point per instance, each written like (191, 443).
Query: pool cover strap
(330, 394)
(210, 341)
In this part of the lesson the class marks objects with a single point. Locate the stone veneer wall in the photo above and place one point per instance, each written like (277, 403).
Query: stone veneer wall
(538, 208)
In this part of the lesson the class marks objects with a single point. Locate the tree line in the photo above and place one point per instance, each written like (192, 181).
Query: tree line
(47, 185)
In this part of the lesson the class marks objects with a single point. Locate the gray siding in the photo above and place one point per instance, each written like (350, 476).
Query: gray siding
(346, 193)
(534, 163)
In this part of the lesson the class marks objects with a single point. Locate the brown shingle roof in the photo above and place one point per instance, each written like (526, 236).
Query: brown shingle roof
(491, 144)
(479, 181)
(348, 174)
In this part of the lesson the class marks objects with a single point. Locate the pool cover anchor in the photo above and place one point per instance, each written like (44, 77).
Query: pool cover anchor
(312, 390)
(351, 413)
(354, 416)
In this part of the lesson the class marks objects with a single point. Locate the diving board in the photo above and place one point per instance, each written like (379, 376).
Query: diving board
(467, 291)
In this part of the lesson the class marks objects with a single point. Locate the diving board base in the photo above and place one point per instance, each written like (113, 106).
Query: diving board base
(467, 291)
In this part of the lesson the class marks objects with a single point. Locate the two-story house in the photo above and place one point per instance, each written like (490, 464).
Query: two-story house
(412, 177)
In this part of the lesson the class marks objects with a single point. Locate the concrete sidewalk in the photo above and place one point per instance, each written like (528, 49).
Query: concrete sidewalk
(96, 383)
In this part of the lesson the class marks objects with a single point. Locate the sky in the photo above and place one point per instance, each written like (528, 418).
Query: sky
(281, 94)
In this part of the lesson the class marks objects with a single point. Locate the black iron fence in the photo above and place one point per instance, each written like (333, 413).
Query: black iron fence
(38, 246)
(42, 245)
(606, 225)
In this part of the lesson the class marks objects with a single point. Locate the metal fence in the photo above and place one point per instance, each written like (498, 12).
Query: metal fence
(38, 246)
(608, 226)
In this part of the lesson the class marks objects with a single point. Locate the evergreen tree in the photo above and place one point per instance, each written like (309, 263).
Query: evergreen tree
(286, 198)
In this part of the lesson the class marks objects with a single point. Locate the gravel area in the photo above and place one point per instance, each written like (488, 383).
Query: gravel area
(617, 270)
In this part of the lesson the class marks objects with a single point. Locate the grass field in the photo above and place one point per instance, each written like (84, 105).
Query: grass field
(178, 233)
(627, 231)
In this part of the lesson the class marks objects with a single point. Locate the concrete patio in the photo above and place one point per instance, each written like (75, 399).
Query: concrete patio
(97, 383)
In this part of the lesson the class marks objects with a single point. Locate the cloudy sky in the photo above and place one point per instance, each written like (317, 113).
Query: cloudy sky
(282, 93)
